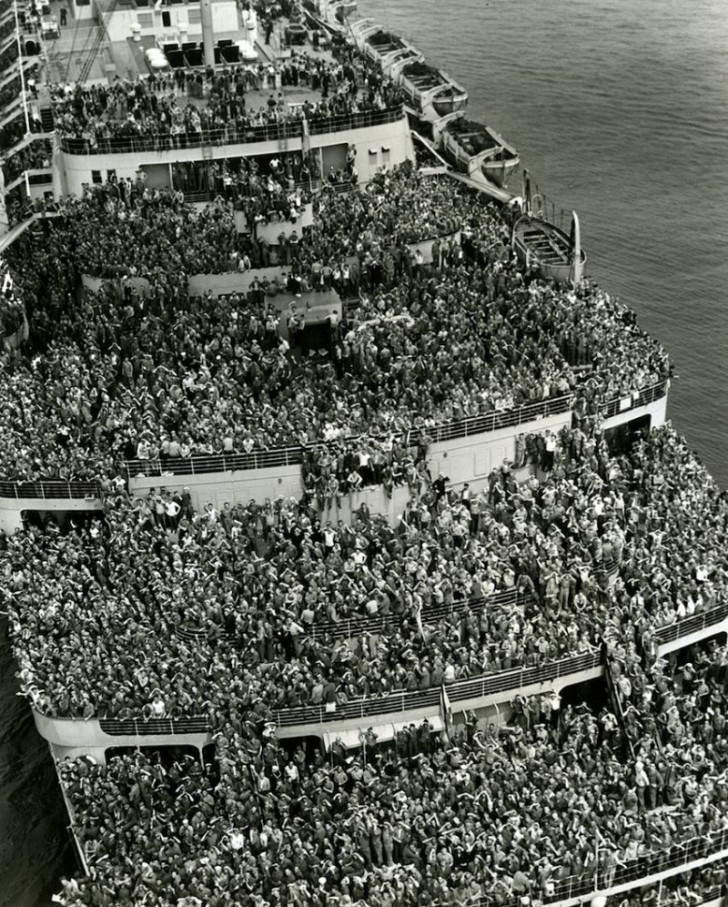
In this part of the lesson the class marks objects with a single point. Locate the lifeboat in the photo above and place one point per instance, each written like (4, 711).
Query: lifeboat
(383, 46)
(476, 150)
(430, 91)
(538, 241)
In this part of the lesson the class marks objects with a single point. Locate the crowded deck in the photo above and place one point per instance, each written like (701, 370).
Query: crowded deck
(571, 732)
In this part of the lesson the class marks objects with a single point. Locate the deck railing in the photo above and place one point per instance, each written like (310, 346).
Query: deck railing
(444, 431)
(357, 626)
(286, 456)
(351, 627)
(232, 462)
(640, 398)
(457, 691)
(362, 119)
(657, 864)
(230, 135)
(693, 624)
(133, 727)
(122, 144)
(402, 701)
(46, 489)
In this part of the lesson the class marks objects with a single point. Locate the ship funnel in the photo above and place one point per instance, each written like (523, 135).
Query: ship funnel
(577, 269)
(208, 36)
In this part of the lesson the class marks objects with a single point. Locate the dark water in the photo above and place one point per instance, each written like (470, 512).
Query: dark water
(34, 847)
(620, 111)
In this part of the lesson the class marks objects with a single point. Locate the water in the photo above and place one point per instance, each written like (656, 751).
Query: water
(620, 111)
(34, 846)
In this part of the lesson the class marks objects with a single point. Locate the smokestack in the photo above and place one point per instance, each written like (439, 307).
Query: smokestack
(208, 36)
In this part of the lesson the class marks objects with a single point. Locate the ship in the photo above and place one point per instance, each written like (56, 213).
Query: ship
(46, 161)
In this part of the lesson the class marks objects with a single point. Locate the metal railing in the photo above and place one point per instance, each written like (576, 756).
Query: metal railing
(402, 701)
(642, 398)
(507, 418)
(391, 704)
(696, 622)
(695, 850)
(286, 456)
(457, 691)
(270, 132)
(49, 489)
(191, 466)
(230, 135)
(503, 681)
(356, 626)
(362, 119)
(133, 727)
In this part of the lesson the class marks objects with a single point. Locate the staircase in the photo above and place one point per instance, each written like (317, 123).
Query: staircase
(99, 39)
(615, 697)
(47, 119)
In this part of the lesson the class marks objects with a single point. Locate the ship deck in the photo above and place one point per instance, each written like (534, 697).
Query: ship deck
(67, 54)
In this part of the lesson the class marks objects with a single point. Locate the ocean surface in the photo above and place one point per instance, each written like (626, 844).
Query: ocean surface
(620, 112)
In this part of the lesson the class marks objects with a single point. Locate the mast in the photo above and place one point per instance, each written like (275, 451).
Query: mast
(576, 256)
(208, 35)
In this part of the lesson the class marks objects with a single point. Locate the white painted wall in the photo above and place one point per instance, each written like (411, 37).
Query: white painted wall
(657, 411)
(77, 168)
(219, 488)
(473, 459)
(11, 509)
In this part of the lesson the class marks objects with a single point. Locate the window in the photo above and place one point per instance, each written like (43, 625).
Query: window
(145, 20)
(194, 14)
(96, 177)
(385, 154)
(166, 18)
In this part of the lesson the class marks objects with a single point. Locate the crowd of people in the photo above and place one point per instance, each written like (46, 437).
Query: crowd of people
(152, 609)
(601, 546)
(36, 156)
(503, 815)
(466, 334)
(265, 190)
(176, 109)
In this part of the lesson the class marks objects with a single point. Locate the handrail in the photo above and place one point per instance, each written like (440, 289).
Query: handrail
(692, 624)
(46, 489)
(230, 135)
(360, 119)
(285, 456)
(165, 141)
(640, 398)
(444, 431)
(400, 701)
(137, 727)
(256, 459)
(356, 626)
(694, 852)
(352, 627)
(457, 691)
